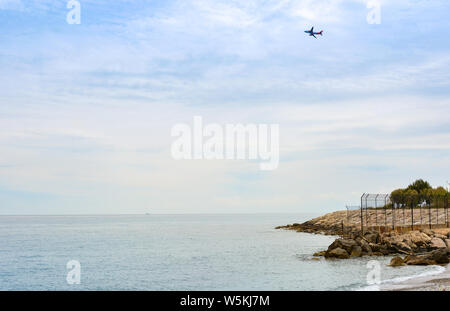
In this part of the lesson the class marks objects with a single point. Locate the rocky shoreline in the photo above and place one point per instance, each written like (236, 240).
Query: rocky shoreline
(418, 247)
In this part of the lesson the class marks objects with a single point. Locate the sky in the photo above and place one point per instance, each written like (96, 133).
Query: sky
(86, 110)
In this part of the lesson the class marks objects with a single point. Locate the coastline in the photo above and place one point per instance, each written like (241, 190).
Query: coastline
(405, 247)
(436, 282)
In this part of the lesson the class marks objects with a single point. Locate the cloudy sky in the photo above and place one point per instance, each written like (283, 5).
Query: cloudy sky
(86, 110)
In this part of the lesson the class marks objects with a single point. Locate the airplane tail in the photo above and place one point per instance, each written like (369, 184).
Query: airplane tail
(320, 33)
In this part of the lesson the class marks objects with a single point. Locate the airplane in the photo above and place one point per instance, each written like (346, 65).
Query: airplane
(312, 33)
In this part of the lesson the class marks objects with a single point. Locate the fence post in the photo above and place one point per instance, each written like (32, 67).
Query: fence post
(346, 207)
(404, 216)
(437, 210)
(421, 221)
(429, 213)
(446, 213)
(393, 216)
(367, 215)
(376, 214)
(446, 210)
(362, 222)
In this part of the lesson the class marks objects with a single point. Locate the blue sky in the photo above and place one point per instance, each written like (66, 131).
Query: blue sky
(86, 110)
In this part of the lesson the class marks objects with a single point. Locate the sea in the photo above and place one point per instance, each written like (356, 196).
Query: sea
(179, 252)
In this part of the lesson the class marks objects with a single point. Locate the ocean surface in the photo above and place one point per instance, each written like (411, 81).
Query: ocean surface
(176, 252)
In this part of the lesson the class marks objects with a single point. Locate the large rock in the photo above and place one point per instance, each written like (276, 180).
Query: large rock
(437, 243)
(356, 251)
(411, 244)
(439, 256)
(384, 250)
(440, 236)
(419, 238)
(402, 246)
(375, 247)
(379, 248)
(428, 232)
(377, 254)
(372, 237)
(397, 261)
(419, 261)
(346, 244)
(358, 240)
(447, 242)
(337, 253)
(318, 254)
(365, 247)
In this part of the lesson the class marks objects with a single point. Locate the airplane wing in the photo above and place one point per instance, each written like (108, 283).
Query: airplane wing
(314, 36)
(312, 29)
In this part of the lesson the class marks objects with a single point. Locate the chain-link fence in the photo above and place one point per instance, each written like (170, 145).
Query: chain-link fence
(386, 212)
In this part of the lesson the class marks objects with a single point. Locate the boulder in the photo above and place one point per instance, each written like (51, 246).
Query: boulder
(409, 257)
(318, 254)
(372, 237)
(337, 253)
(346, 244)
(375, 247)
(428, 232)
(403, 247)
(419, 261)
(377, 254)
(419, 238)
(391, 249)
(437, 243)
(447, 242)
(397, 261)
(384, 250)
(365, 247)
(411, 244)
(356, 251)
(439, 256)
(441, 236)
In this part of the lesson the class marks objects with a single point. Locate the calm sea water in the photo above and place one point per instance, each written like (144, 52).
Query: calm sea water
(174, 252)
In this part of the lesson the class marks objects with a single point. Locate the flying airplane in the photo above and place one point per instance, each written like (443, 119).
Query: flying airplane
(312, 33)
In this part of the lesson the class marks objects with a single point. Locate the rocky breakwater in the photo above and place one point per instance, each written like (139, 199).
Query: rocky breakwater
(330, 224)
(424, 247)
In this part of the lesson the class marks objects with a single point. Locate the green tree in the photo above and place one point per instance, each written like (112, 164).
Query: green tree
(397, 196)
(411, 197)
(427, 195)
(439, 196)
(419, 185)
(441, 191)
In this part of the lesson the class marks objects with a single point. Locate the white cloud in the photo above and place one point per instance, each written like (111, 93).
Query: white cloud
(11, 5)
(86, 115)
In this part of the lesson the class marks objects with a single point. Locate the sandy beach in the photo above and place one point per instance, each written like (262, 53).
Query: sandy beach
(436, 282)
